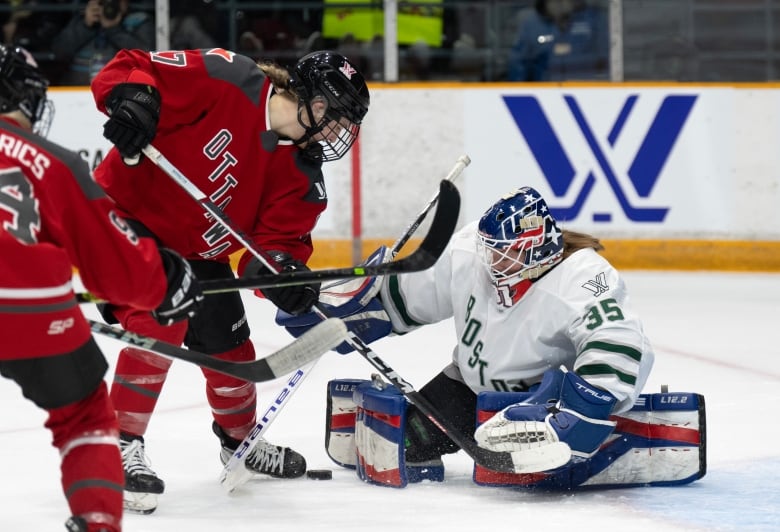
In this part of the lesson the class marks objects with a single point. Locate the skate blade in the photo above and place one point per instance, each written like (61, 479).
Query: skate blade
(140, 503)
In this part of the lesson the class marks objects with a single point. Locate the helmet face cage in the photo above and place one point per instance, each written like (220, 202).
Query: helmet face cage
(23, 87)
(519, 239)
(329, 79)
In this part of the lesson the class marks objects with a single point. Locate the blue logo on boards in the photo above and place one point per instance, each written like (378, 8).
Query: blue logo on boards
(643, 172)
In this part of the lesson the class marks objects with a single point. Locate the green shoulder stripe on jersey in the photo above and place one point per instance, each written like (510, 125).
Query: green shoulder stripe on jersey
(398, 302)
(591, 370)
(614, 348)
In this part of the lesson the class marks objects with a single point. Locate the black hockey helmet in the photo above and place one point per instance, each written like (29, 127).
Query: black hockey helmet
(23, 87)
(330, 78)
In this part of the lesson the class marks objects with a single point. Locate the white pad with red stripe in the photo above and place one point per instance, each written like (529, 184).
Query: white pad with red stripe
(661, 441)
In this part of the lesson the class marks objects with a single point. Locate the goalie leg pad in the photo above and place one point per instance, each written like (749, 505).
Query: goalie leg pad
(340, 415)
(366, 430)
(379, 435)
(661, 441)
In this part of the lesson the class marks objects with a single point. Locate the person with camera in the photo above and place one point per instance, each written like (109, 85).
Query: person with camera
(92, 38)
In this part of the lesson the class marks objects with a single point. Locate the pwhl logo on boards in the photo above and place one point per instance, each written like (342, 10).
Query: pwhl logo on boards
(643, 172)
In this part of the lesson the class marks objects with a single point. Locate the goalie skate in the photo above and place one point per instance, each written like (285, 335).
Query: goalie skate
(141, 483)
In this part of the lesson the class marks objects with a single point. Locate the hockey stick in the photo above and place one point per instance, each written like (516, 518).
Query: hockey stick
(234, 473)
(230, 477)
(497, 461)
(306, 348)
(422, 258)
(460, 165)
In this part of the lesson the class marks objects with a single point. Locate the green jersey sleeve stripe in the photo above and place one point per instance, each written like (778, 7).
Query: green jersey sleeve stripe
(605, 369)
(614, 348)
(398, 302)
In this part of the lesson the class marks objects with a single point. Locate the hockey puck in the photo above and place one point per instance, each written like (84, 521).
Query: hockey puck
(319, 474)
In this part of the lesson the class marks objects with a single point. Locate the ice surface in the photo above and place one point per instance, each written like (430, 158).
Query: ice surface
(715, 334)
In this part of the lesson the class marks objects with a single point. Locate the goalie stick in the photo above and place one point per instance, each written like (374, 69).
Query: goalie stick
(305, 349)
(234, 473)
(497, 461)
(460, 165)
(446, 188)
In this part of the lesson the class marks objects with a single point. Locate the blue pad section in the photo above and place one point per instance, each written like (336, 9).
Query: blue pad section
(379, 436)
(418, 473)
(380, 441)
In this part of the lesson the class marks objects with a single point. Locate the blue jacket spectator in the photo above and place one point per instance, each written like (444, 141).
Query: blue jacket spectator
(561, 40)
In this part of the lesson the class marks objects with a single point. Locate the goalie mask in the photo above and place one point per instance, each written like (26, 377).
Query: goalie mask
(519, 239)
(332, 101)
(23, 88)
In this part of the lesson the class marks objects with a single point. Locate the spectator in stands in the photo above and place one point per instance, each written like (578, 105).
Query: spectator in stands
(93, 37)
(188, 20)
(560, 40)
(33, 28)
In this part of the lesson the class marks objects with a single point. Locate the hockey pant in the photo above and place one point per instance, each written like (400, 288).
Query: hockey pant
(659, 442)
(84, 429)
(220, 329)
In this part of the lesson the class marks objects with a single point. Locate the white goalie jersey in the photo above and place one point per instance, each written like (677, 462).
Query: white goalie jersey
(577, 315)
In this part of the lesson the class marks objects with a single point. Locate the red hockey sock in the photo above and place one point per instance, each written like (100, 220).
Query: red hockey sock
(140, 375)
(233, 401)
(86, 435)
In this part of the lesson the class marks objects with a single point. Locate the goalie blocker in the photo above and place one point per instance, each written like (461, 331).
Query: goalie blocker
(659, 442)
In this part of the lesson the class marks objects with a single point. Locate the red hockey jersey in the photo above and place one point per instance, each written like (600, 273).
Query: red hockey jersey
(53, 217)
(215, 129)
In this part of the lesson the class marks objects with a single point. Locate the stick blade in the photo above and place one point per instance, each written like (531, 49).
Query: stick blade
(443, 225)
(309, 346)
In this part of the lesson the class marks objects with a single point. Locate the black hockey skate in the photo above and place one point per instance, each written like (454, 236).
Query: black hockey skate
(141, 483)
(265, 459)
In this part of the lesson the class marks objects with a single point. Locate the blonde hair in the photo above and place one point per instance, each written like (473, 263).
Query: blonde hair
(575, 241)
(280, 79)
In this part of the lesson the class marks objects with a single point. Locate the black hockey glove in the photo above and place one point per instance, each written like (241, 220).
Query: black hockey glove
(184, 296)
(295, 299)
(134, 110)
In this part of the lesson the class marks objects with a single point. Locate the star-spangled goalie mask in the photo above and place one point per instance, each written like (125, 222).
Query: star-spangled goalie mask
(519, 240)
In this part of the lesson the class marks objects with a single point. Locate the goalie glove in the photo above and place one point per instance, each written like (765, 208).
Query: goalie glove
(356, 302)
(134, 111)
(544, 431)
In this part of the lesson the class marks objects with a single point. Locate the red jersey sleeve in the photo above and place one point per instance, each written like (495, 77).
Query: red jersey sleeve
(187, 90)
(113, 262)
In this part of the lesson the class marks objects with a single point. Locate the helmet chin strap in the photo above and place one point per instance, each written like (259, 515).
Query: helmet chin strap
(308, 131)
